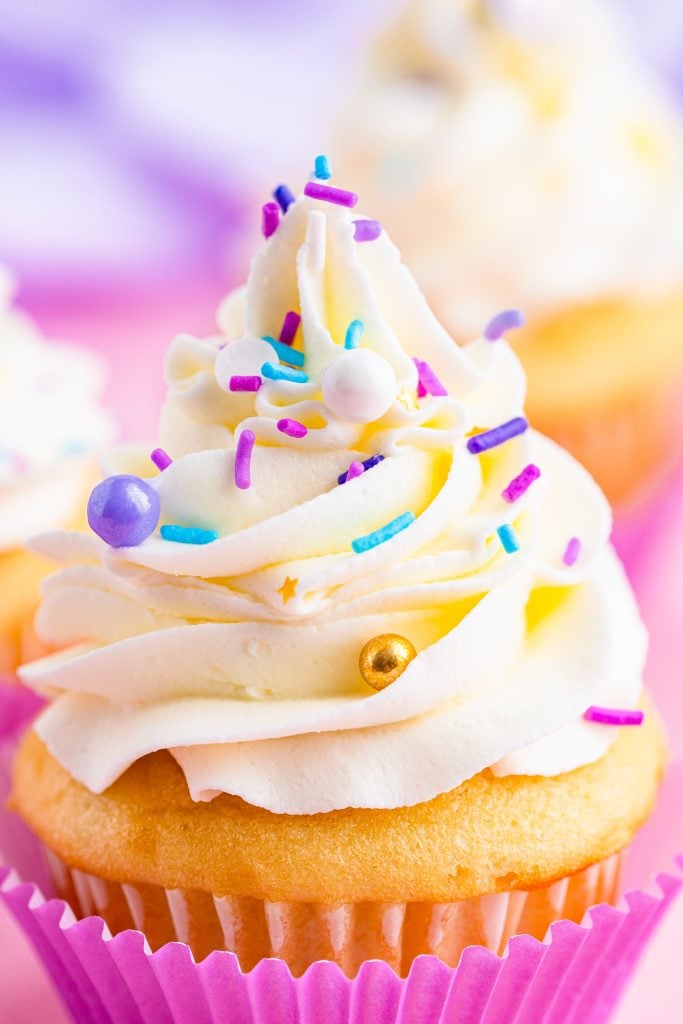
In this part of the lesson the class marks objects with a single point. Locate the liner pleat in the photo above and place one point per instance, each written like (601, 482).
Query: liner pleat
(348, 934)
(572, 977)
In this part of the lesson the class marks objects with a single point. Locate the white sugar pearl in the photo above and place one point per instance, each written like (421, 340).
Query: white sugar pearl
(359, 386)
(243, 357)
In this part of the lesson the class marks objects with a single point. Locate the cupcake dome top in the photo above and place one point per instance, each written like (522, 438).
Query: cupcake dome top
(332, 469)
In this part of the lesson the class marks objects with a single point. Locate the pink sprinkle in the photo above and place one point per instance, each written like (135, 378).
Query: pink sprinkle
(292, 428)
(240, 383)
(354, 470)
(572, 551)
(366, 230)
(428, 383)
(614, 716)
(270, 219)
(516, 488)
(290, 326)
(339, 196)
(160, 459)
(245, 446)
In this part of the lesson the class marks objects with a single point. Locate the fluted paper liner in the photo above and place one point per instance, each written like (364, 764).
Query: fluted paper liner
(573, 976)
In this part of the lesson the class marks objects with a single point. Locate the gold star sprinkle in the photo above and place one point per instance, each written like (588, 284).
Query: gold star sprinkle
(407, 398)
(288, 589)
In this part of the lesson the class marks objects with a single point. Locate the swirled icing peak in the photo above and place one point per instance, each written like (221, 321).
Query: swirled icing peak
(334, 468)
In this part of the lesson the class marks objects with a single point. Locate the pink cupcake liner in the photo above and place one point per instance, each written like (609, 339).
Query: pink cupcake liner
(574, 976)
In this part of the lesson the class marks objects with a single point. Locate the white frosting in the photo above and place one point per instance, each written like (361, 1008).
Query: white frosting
(241, 656)
(520, 154)
(50, 419)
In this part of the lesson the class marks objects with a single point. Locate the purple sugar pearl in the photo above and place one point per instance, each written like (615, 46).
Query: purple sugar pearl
(123, 510)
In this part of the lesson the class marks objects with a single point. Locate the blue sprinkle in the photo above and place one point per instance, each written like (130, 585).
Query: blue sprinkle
(371, 540)
(508, 538)
(284, 197)
(354, 333)
(188, 534)
(274, 372)
(322, 168)
(285, 352)
(374, 460)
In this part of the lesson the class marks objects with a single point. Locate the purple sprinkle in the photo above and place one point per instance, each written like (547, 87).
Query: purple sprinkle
(366, 464)
(270, 219)
(292, 428)
(245, 446)
(428, 383)
(516, 488)
(498, 435)
(366, 230)
(290, 325)
(284, 197)
(614, 716)
(502, 322)
(160, 459)
(339, 196)
(240, 383)
(572, 551)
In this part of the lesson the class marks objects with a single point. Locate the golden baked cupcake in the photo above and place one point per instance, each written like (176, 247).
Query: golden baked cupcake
(50, 419)
(354, 672)
(523, 155)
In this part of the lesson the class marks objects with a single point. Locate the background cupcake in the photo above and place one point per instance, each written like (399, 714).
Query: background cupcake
(277, 671)
(522, 154)
(50, 425)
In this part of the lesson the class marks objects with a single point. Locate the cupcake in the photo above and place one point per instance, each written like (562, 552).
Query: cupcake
(523, 154)
(50, 422)
(349, 670)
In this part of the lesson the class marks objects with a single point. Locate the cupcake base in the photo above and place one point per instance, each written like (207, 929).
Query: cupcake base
(346, 934)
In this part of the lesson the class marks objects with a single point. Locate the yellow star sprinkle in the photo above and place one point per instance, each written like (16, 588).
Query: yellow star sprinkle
(407, 398)
(288, 589)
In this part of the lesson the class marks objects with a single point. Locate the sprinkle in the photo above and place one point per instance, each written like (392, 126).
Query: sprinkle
(374, 460)
(322, 167)
(371, 540)
(286, 354)
(188, 534)
(572, 551)
(354, 332)
(339, 196)
(240, 383)
(428, 382)
(288, 589)
(292, 428)
(508, 538)
(274, 372)
(270, 219)
(284, 196)
(516, 488)
(366, 230)
(354, 470)
(245, 446)
(161, 459)
(502, 322)
(498, 435)
(290, 325)
(614, 716)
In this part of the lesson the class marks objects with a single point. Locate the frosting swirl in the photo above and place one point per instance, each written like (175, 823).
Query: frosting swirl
(50, 417)
(240, 656)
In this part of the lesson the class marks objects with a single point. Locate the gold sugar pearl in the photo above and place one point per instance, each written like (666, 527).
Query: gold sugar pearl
(384, 659)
